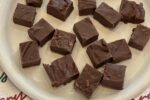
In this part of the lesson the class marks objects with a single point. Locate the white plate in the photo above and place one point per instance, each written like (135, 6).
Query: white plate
(34, 81)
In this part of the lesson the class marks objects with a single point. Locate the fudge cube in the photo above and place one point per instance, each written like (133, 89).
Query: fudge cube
(132, 12)
(107, 16)
(85, 31)
(99, 53)
(139, 37)
(34, 3)
(63, 42)
(114, 76)
(24, 15)
(86, 7)
(88, 81)
(29, 53)
(120, 50)
(62, 71)
(60, 9)
(41, 32)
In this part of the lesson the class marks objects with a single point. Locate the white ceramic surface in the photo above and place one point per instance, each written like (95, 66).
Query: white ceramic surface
(34, 81)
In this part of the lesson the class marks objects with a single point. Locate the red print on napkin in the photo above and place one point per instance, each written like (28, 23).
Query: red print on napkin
(19, 96)
(145, 97)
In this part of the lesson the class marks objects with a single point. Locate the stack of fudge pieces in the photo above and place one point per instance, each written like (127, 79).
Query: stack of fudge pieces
(102, 54)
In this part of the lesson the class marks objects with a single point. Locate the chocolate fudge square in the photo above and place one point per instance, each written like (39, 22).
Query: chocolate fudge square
(24, 15)
(132, 12)
(85, 31)
(139, 37)
(62, 71)
(86, 7)
(63, 42)
(99, 53)
(88, 81)
(41, 32)
(60, 9)
(107, 16)
(34, 3)
(119, 50)
(29, 53)
(114, 76)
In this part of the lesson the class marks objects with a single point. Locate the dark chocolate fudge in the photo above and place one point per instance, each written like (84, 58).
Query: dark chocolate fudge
(62, 71)
(99, 53)
(60, 9)
(107, 15)
(34, 3)
(119, 50)
(24, 15)
(29, 53)
(41, 32)
(132, 12)
(114, 76)
(139, 37)
(85, 31)
(86, 7)
(63, 42)
(88, 81)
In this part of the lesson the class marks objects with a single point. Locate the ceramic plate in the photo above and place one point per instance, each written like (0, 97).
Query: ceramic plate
(34, 81)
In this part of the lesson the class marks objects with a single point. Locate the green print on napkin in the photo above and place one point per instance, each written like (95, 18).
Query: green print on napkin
(3, 77)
